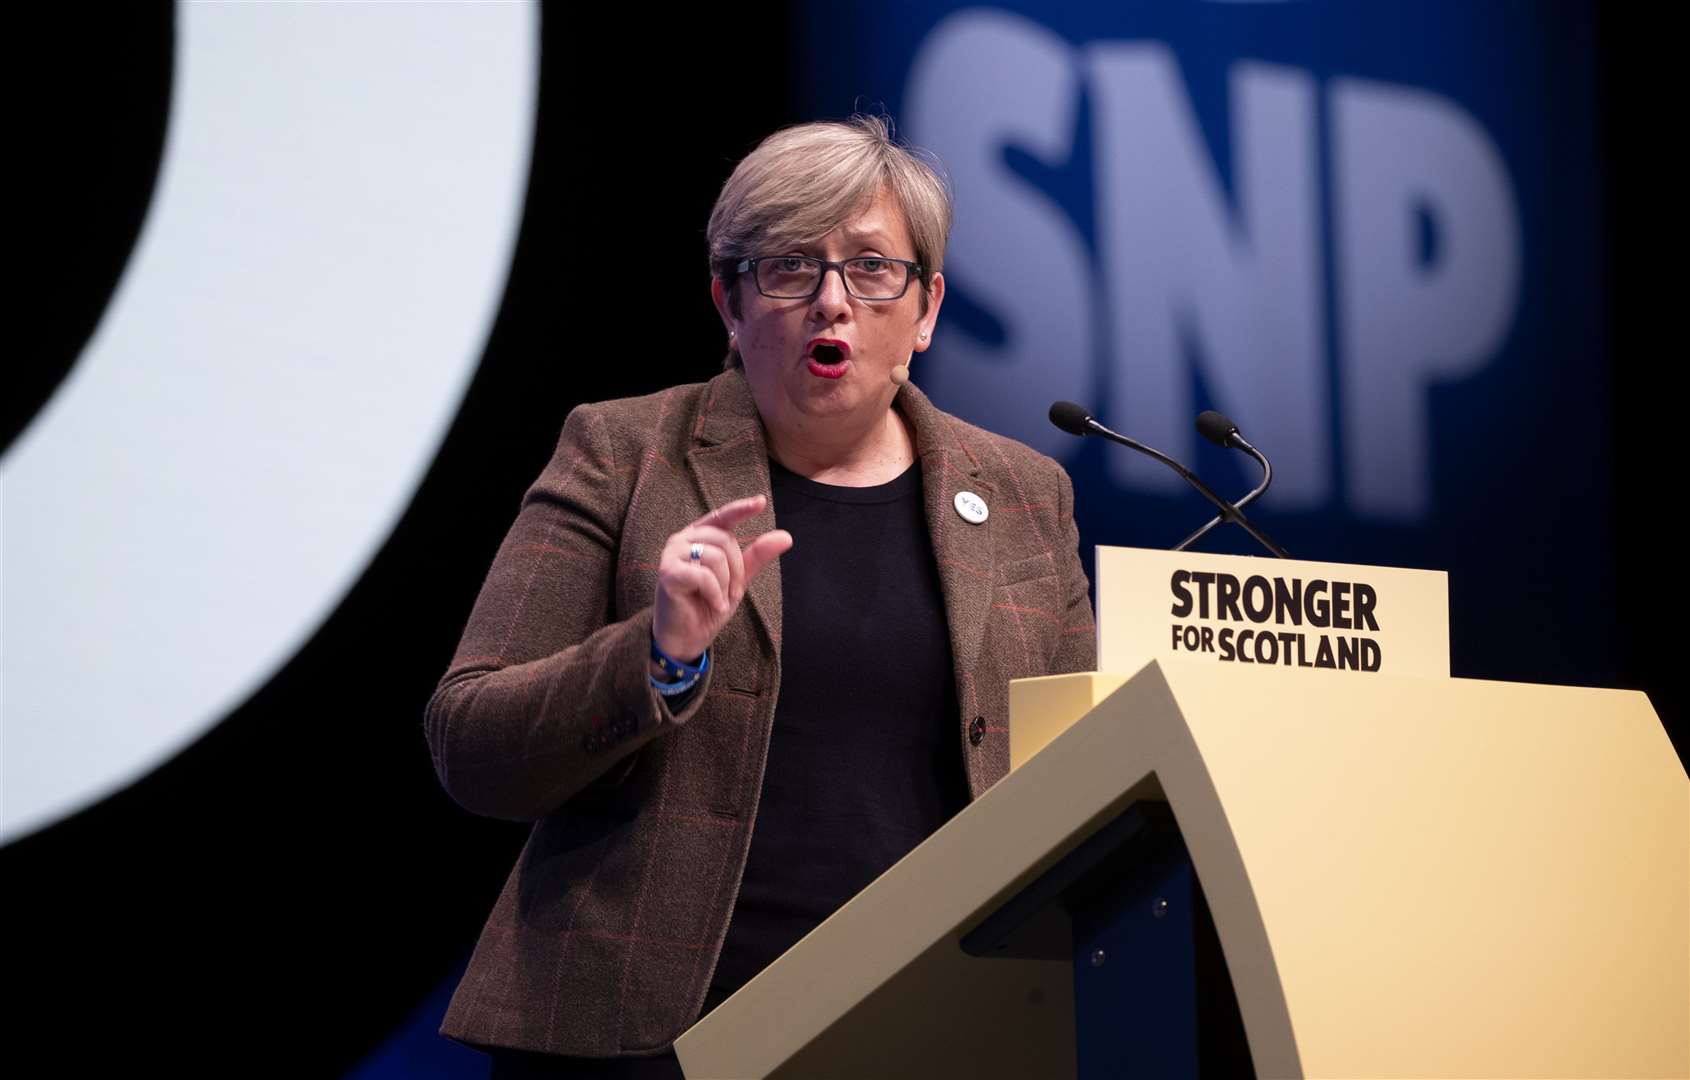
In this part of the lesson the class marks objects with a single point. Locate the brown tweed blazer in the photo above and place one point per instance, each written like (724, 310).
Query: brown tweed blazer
(605, 936)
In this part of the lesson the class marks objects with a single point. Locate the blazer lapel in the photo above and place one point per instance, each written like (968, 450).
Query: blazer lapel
(730, 460)
(964, 551)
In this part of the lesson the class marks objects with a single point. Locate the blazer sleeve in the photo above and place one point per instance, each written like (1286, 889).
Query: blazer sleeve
(1078, 648)
(547, 692)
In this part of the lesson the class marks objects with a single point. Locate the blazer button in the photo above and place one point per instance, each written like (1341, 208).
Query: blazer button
(977, 731)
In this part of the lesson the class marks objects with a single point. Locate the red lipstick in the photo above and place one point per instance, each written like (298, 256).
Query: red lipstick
(828, 357)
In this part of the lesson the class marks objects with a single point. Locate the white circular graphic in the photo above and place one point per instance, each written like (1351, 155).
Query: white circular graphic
(327, 247)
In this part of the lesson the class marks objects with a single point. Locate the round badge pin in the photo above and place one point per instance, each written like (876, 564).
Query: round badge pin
(970, 507)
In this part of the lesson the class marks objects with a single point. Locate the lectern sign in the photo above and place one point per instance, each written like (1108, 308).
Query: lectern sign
(1236, 609)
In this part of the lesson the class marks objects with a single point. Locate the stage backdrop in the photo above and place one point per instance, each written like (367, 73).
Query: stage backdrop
(1369, 233)
(309, 290)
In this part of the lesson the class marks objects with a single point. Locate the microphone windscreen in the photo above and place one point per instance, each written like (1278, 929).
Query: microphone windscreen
(1215, 427)
(1070, 417)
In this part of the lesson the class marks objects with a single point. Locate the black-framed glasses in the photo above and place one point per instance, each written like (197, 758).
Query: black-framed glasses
(799, 277)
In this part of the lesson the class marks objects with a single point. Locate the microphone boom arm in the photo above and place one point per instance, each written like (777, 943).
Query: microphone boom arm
(1229, 512)
(1255, 493)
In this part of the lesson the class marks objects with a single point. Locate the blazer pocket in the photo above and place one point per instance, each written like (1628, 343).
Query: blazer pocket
(1028, 569)
(1030, 591)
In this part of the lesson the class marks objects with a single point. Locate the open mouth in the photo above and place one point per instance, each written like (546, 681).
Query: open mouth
(828, 359)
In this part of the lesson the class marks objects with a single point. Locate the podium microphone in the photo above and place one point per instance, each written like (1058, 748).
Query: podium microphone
(1220, 430)
(1076, 420)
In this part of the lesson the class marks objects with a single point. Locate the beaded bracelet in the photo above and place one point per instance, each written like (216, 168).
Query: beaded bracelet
(687, 675)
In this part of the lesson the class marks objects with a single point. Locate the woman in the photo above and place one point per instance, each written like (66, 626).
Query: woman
(749, 641)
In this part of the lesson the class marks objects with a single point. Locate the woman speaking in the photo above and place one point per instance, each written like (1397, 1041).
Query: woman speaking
(749, 640)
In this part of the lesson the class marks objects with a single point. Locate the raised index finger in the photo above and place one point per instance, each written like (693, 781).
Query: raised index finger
(726, 517)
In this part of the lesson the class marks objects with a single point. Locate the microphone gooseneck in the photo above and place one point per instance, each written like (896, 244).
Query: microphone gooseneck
(1219, 429)
(1078, 420)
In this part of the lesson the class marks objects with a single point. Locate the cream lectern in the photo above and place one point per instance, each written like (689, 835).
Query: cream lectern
(1270, 832)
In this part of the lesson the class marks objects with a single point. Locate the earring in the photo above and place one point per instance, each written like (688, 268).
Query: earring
(924, 335)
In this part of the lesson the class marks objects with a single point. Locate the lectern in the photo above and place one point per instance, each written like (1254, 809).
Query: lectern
(1406, 874)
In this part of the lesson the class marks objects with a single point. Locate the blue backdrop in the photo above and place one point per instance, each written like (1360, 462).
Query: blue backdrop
(1367, 232)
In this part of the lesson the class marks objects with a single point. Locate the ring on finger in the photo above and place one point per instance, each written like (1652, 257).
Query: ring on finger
(695, 553)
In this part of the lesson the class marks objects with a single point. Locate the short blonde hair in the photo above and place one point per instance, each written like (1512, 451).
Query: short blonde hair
(803, 182)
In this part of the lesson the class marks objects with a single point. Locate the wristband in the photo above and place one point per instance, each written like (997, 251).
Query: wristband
(686, 676)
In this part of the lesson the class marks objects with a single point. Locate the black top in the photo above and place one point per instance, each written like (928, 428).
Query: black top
(866, 756)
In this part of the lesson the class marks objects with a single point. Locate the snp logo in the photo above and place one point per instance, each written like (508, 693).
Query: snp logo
(1181, 278)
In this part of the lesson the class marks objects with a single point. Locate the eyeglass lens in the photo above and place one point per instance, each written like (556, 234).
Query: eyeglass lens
(793, 277)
